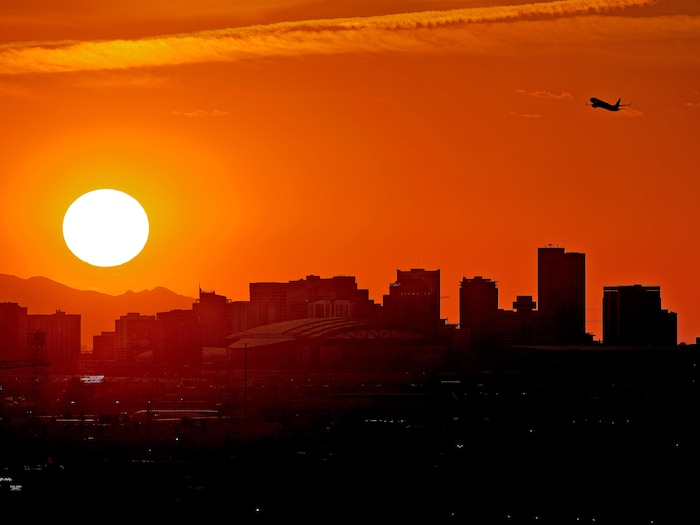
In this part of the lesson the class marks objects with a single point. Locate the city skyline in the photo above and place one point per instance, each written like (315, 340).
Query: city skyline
(277, 140)
(559, 303)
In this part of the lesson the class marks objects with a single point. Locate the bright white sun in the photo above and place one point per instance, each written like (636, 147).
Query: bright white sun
(105, 227)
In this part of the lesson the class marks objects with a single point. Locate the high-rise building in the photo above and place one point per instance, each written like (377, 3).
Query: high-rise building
(632, 315)
(339, 296)
(215, 318)
(13, 331)
(561, 292)
(268, 303)
(179, 338)
(414, 299)
(517, 326)
(104, 346)
(478, 309)
(135, 333)
(62, 335)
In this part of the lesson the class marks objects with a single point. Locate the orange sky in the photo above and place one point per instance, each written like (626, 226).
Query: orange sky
(271, 140)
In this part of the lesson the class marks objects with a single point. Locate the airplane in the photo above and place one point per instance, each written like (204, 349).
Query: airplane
(597, 103)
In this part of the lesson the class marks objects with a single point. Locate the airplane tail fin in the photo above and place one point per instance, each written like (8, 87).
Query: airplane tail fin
(617, 104)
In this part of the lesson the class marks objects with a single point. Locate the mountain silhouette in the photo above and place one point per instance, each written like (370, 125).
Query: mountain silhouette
(98, 310)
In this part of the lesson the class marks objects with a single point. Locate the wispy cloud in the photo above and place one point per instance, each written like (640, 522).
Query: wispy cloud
(630, 113)
(410, 31)
(564, 95)
(140, 80)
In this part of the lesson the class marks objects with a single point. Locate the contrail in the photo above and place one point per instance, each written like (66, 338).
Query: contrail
(388, 32)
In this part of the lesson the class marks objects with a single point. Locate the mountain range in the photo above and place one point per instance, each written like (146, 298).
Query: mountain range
(98, 310)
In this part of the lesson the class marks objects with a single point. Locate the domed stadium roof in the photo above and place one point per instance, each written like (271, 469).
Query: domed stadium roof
(331, 328)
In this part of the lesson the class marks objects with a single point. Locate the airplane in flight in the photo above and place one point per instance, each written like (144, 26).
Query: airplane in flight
(597, 103)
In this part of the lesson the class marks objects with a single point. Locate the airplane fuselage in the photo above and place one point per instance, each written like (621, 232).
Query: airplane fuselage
(597, 103)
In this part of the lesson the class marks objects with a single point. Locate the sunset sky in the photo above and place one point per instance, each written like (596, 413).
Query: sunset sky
(269, 140)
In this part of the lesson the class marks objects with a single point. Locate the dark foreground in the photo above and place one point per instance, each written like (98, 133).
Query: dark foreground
(587, 442)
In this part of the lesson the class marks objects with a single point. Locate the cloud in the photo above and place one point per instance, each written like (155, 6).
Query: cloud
(200, 113)
(142, 80)
(409, 31)
(564, 95)
(630, 113)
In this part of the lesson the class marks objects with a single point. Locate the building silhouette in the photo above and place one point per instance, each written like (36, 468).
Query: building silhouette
(524, 325)
(13, 331)
(561, 293)
(632, 315)
(478, 309)
(104, 346)
(179, 339)
(414, 299)
(134, 334)
(215, 318)
(338, 345)
(312, 297)
(559, 319)
(524, 307)
(62, 335)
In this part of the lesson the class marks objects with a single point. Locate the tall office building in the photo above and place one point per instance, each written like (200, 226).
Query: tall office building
(179, 338)
(414, 299)
(312, 297)
(215, 318)
(104, 346)
(632, 315)
(13, 331)
(134, 333)
(561, 292)
(478, 309)
(62, 335)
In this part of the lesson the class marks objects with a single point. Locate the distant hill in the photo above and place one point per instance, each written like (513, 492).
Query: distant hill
(98, 310)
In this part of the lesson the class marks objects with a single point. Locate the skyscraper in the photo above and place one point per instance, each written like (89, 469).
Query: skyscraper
(478, 308)
(338, 296)
(62, 332)
(414, 299)
(13, 331)
(179, 339)
(632, 315)
(135, 333)
(215, 318)
(561, 292)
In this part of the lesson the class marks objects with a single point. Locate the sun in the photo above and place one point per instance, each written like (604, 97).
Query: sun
(105, 227)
